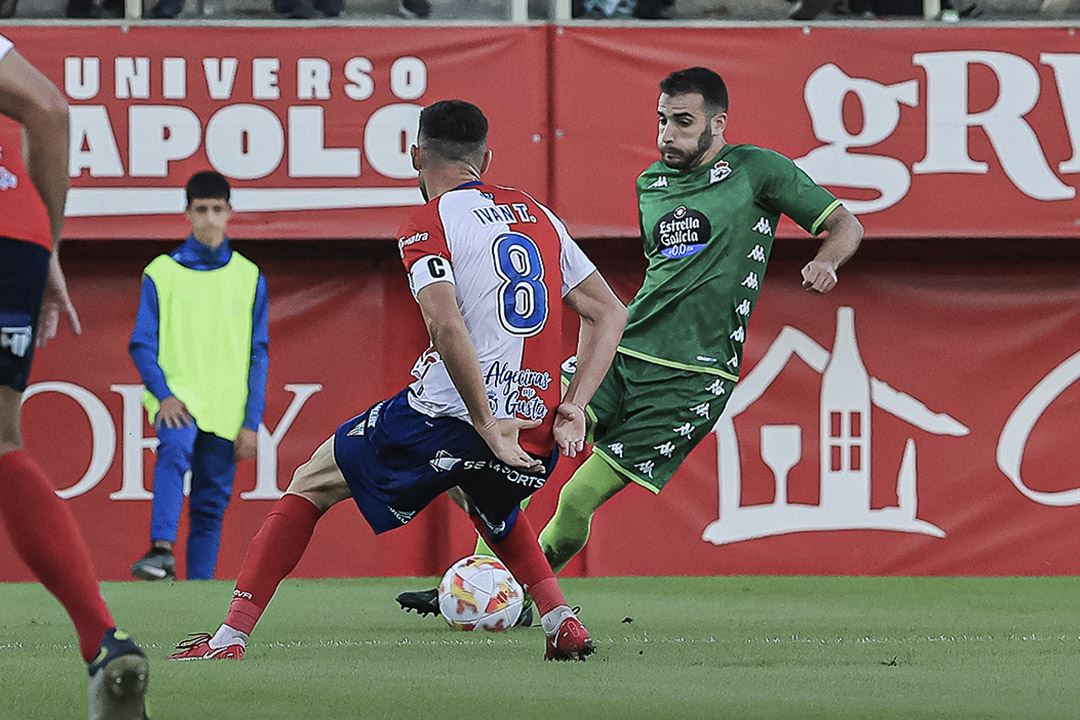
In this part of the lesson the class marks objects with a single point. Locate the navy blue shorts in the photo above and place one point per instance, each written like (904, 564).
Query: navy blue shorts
(23, 269)
(397, 460)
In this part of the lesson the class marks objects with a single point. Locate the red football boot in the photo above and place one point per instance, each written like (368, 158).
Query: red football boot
(570, 642)
(197, 647)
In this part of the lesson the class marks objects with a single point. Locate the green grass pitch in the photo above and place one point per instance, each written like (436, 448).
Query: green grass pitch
(742, 647)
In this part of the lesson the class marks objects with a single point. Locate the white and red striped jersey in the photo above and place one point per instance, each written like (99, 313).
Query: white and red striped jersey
(511, 262)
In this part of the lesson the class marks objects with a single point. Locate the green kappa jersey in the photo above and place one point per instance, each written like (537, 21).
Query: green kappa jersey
(708, 233)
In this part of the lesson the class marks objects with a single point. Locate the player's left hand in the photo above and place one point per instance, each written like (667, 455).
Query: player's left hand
(569, 429)
(818, 276)
(246, 445)
(54, 303)
(501, 435)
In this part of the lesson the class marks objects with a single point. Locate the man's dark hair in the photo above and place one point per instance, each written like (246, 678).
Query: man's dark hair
(698, 80)
(207, 185)
(455, 130)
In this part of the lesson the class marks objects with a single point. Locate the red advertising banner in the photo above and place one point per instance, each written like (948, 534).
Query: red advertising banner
(921, 131)
(312, 125)
(920, 419)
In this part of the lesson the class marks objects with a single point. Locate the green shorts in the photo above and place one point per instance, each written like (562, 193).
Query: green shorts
(646, 418)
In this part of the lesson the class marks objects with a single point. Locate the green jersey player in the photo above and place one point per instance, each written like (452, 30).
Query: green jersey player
(708, 212)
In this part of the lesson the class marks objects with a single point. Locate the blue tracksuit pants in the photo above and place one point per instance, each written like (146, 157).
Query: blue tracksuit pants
(210, 459)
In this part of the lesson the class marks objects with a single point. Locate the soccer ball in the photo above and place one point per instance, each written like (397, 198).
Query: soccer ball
(479, 592)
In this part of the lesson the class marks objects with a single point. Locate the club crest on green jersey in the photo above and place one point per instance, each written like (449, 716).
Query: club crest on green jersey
(682, 232)
(719, 171)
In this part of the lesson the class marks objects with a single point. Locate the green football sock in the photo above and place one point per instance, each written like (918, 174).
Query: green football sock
(594, 483)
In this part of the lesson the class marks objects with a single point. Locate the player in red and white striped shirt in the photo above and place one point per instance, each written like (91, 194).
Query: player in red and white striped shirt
(488, 266)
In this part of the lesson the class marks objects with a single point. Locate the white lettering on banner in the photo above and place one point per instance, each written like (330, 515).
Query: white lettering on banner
(159, 134)
(82, 77)
(220, 75)
(90, 123)
(102, 433)
(390, 132)
(408, 78)
(832, 164)
(1014, 436)
(134, 443)
(312, 79)
(1067, 75)
(948, 121)
(247, 141)
(264, 79)
(266, 475)
(308, 154)
(132, 78)
(360, 86)
(845, 439)
(174, 78)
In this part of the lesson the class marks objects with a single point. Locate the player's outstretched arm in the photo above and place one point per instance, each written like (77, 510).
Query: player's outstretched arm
(450, 338)
(844, 235)
(603, 318)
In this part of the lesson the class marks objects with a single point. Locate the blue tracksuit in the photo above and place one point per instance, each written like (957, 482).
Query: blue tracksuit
(209, 457)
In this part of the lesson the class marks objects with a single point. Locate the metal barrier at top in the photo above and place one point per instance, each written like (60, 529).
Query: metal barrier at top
(566, 11)
(560, 10)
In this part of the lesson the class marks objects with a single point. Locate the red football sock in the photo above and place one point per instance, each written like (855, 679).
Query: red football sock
(43, 530)
(274, 552)
(522, 554)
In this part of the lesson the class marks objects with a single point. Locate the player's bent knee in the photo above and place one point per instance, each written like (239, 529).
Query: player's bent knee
(323, 490)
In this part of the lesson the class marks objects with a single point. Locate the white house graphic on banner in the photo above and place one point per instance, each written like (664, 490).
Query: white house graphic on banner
(848, 393)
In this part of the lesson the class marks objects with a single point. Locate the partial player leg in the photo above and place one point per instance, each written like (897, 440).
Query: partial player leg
(174, 451)
(482, 548)
(317, 485)
(426, 602)
(43, 532)
(594, 483)
(212, 473)
(567, 638)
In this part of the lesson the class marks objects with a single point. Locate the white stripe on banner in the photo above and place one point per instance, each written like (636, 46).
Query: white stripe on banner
(100, 202)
